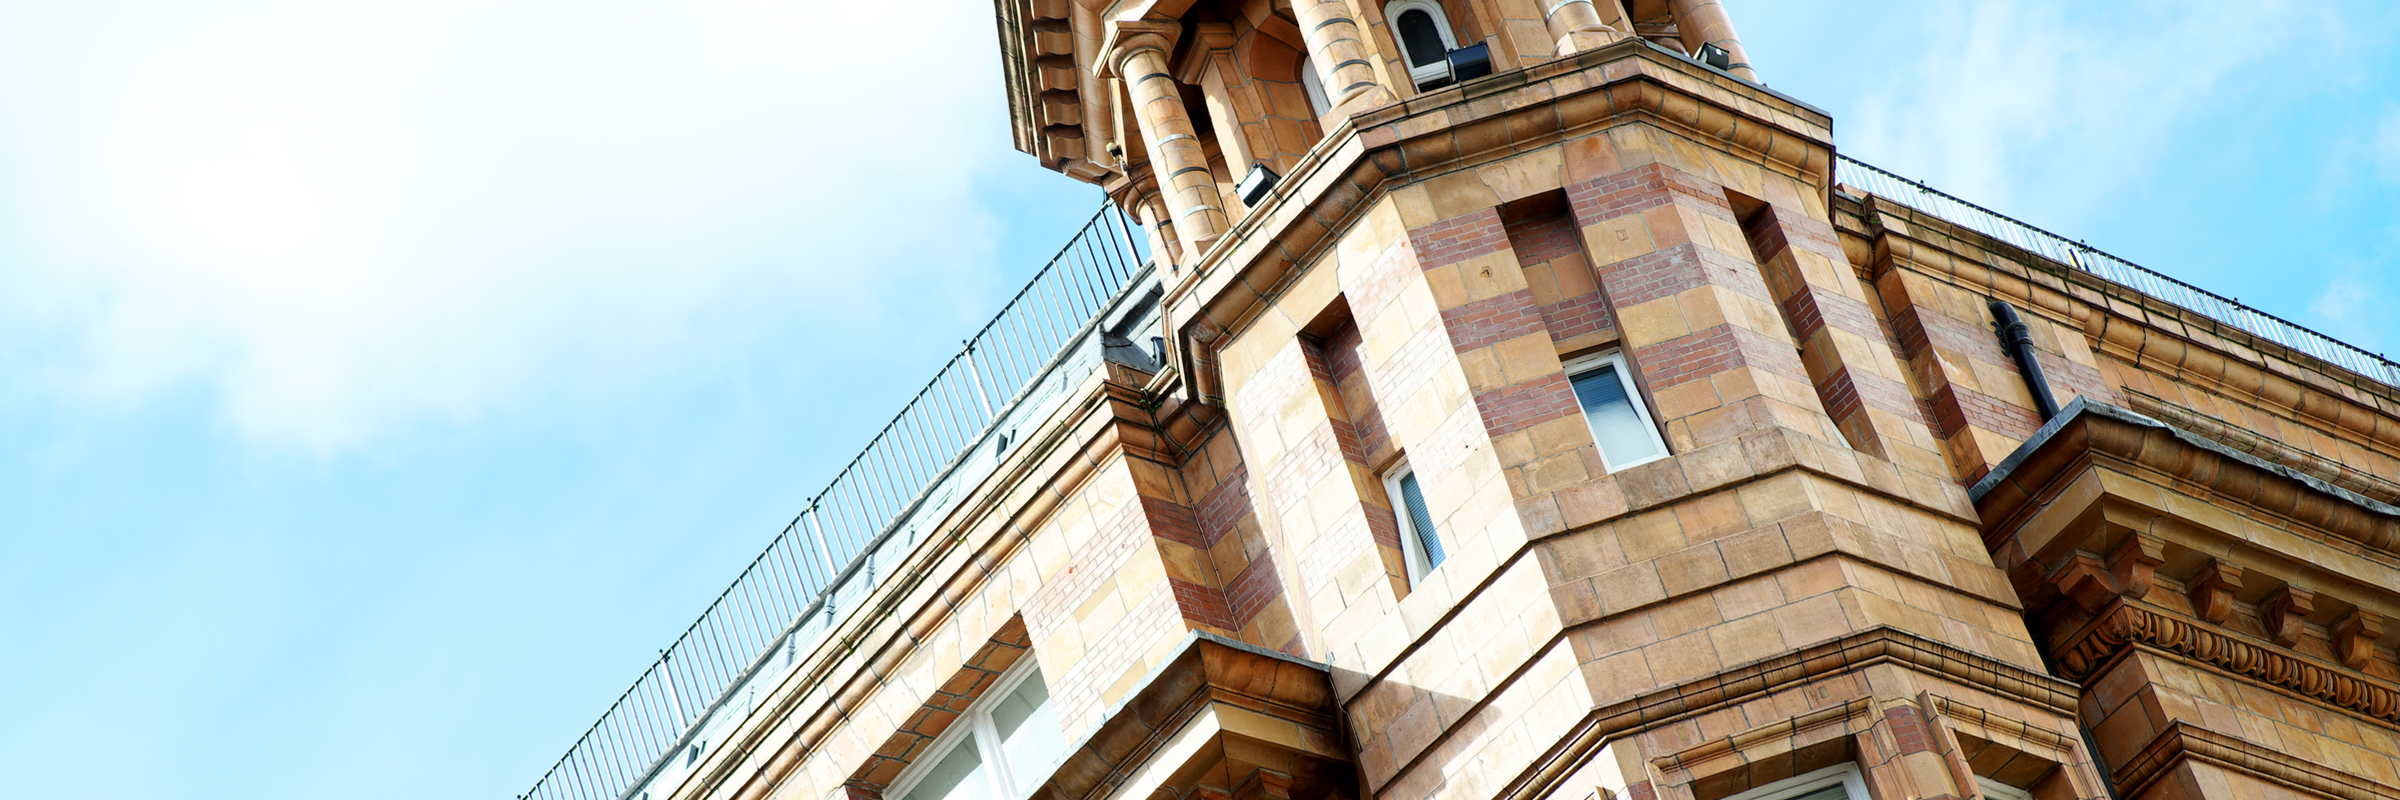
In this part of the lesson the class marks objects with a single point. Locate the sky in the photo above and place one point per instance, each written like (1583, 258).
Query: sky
(382, 385)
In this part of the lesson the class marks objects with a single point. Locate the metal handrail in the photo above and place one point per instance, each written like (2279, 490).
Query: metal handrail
(2086, 258)
(797, 575)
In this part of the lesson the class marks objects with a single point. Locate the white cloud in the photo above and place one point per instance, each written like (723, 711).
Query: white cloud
(2352, 309)
(2386, 148)
(342, 219)
(2080, 90)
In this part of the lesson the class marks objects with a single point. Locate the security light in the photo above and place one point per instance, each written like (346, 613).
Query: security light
(1715, 56)
(1471, 62)
(1255, 186)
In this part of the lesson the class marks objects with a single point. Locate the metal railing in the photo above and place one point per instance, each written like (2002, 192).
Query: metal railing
(1916, 194)
(830, 541)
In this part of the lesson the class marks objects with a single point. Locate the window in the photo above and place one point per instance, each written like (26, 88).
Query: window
(1420, 543)
(1831, 783)
(1315, 88)
(1613, 407)
(1425, 40)
(1004, 746)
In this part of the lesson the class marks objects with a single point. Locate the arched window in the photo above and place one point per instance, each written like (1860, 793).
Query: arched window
(1315, 87)
(1425, 39)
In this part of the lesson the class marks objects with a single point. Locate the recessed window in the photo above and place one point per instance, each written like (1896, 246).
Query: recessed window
(1420, 543)
(1831, 783)
(1006, 744)
(1315, 87)
(1425, 40)
(1621, 425)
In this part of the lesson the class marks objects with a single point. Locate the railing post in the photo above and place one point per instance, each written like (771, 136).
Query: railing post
(666, 670)
(976, 376)
(823, 552)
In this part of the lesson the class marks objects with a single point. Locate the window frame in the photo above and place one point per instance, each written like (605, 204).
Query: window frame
(977, 721)
(1633, 394)
(1845, 775)
(1314, 88)
(1413, 557)
(1419, 76)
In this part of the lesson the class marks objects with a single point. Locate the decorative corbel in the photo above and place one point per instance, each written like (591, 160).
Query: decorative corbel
(2213, 590)
(2283, 612)
(2134, 564)
(2354, 637)
(2082, 579)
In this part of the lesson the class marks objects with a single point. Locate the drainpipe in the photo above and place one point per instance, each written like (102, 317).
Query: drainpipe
(2017, 339)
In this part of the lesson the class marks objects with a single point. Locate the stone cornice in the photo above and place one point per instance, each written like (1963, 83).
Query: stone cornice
(2127, 626)
(1628, 81)
(1882, 645)
(1206, 669)
(2181, 741)
(2087, 427)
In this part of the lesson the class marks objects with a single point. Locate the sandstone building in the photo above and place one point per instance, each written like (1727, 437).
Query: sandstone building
(1514, 400)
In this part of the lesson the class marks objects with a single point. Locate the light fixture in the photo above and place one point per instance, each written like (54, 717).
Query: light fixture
(1255, 186)
(1471, 62)
(1715, 56)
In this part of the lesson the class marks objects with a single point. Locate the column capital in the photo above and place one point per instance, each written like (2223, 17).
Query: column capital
(1127, 37)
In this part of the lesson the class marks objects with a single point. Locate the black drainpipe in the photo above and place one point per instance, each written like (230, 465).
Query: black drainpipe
(2018, 341)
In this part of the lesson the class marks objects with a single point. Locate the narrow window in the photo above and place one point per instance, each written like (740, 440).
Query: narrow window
(1831, 783)
(1425, 40)
(1613, 407)
(1006, 744)
(1315, 87)
(1420, 543)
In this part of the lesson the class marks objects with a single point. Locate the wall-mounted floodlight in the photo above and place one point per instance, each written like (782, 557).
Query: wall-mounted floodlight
(1471, 62)
(1255, 186)
(1715, 56)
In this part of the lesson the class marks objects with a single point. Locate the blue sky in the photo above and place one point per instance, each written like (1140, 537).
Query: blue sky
(382, 385)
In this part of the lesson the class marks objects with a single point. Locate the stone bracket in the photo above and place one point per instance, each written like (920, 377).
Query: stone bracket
(2354, 637)
(2283, 614)
(2127, 574)
(2213, 590)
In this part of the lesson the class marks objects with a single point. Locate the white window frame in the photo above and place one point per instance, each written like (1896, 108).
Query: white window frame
(1412, 548)
(1441, 25)
(1314, 87)
(977, 719)
(1633, 394)
(1844, 774)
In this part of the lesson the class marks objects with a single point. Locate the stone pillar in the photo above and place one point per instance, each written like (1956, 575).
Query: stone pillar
(1209, 65)
(1137, 51)
(1337, 49)
(1704, 22)
(1577, 27)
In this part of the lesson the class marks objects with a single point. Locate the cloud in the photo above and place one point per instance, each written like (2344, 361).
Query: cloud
(2074, 90)
(2386, 147)
(2352, 309)
(339, 220)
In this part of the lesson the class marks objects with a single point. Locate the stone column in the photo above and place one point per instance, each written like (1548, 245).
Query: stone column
(1577, 27)
(1137, 51)
(1231, 110)
(1704, 22)
(1337, 48)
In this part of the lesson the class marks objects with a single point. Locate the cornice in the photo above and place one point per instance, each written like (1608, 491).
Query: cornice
(2087, 426)
(2182, 741)
(1881, 645)
(2128, 626)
